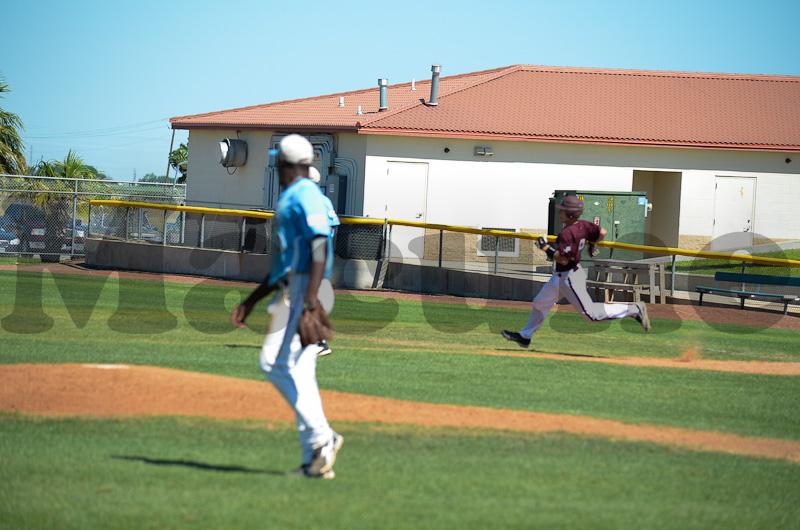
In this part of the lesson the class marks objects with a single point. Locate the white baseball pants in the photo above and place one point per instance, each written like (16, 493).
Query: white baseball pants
(292, 368)
(572, 286)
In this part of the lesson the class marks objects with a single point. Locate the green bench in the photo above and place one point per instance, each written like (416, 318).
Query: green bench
(750, 287)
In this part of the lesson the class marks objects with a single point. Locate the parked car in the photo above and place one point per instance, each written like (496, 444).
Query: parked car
(80, 238)
(26, 222)
(9, 242)
(149, 234)
(112, 225)
(174, 230)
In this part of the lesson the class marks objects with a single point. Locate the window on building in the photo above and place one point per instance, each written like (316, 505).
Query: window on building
(507, 246)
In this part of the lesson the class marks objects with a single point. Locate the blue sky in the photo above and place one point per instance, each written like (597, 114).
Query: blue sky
(103, 77)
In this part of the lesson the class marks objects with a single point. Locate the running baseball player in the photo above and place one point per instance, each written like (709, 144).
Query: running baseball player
(569, 278)
(301, 261)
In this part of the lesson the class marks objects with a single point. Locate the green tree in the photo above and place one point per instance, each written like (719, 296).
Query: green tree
(96, 174)
(54, 195)
(177, 159)
(12, 148)
(151, 177)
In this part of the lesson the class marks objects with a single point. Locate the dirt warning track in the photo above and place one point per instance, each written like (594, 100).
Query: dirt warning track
(126, 390)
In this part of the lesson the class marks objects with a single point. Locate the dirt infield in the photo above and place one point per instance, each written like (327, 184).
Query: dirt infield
(124, 390)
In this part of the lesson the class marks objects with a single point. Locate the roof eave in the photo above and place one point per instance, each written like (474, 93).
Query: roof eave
(584, 141)
(266, 127)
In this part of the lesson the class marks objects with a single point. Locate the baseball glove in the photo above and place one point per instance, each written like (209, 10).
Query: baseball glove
(314, 325)
(594, 250)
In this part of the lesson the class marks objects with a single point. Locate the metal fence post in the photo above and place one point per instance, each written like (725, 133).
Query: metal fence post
(496, 252)
(182, 238)
(127, 221)
(672, 287)
(164, 239)
(389, 252)
(244, 231)
(441, 237)
(202, 230)
(380, 278)
(74, 219)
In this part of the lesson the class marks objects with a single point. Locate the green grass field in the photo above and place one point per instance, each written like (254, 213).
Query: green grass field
(202, 473)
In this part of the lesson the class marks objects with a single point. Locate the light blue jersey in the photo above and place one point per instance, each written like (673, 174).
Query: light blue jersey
(303, 213)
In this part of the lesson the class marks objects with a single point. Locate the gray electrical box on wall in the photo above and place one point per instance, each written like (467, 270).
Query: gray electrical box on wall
(336, 190)
(621, 213)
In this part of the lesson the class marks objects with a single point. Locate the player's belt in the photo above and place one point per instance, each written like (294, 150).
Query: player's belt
(573, 269)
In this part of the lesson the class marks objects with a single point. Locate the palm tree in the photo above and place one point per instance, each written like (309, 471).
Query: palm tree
(12, 148)
(54, 196)
(177, 159)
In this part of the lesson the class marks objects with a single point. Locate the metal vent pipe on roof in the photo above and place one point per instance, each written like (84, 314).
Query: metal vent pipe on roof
(383, 83)
(436, 69)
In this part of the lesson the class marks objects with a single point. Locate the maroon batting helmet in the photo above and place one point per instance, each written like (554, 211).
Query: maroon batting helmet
(572, 205)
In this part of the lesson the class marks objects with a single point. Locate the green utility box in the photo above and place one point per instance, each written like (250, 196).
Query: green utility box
(621, 213)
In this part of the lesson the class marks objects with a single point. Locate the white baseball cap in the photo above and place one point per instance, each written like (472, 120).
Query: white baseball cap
(295, 149)
(313, 174)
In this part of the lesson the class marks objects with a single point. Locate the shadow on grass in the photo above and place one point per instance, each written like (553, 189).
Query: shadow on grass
(562, 354)
(550, 352)
(197, 465)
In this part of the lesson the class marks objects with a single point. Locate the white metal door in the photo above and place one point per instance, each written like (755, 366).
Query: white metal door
(408, 182)
(733, 212)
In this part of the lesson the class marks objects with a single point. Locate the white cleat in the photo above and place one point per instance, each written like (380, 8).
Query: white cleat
(325, 456)
(303, 471)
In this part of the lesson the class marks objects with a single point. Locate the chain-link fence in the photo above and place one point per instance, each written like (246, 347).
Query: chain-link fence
(359, 241)
(181, 226)
(237, 231)
(48, 217)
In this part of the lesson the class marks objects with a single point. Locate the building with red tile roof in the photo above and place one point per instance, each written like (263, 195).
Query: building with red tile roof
(489, 149)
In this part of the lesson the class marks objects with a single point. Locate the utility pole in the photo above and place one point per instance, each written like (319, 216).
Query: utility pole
(134, 174)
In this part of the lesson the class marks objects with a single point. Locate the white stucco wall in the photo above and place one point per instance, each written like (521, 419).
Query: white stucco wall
(776, 203)
(512, 187)
(210, 185)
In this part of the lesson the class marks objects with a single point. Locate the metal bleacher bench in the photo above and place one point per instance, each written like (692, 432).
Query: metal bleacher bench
(636, 277)
(749, 287)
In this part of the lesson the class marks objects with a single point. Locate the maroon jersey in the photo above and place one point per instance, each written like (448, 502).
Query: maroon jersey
(572, 239)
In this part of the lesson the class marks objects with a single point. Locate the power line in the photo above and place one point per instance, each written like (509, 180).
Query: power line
(111, 131)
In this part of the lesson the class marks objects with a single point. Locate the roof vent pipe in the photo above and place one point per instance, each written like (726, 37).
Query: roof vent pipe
(383, 83)
(436, 69)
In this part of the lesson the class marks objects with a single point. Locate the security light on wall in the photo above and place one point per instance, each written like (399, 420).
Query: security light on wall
(232, 153)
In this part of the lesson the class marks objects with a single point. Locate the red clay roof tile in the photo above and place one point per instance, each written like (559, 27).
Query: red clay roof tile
(554, 104)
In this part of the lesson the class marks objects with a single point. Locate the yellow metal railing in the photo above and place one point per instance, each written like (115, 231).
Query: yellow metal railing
(193, 209)
(466, 230)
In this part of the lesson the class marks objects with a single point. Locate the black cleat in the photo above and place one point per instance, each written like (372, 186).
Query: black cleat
(324, 349)
(642, 317)
(516, 337)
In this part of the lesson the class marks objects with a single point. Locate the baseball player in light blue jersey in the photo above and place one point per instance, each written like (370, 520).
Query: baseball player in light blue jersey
(301, 264)
(314, 175)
